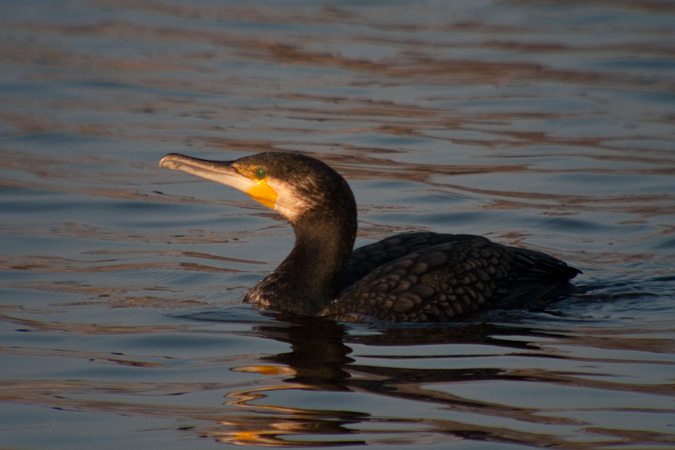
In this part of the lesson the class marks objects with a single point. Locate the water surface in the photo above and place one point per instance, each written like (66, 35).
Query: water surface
(547, 125)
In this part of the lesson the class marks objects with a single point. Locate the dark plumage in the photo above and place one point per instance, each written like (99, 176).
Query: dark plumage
(415, 277)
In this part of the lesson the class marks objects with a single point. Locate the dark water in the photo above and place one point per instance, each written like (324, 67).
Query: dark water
(543, 124)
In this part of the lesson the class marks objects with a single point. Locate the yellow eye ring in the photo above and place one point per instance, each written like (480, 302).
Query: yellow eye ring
(260, 173)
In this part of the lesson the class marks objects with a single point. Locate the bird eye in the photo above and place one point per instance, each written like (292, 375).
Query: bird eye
(260, 173)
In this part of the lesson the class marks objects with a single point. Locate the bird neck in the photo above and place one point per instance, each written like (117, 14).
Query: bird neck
(309, 277)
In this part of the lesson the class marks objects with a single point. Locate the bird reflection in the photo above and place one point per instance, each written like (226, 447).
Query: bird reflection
(320, 360)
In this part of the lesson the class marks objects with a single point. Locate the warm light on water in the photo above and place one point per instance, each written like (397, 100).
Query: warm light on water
(548, 125)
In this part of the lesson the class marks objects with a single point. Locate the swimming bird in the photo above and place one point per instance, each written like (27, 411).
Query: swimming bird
(411, 277)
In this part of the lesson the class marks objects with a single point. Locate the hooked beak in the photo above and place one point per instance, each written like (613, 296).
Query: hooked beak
(224, 172)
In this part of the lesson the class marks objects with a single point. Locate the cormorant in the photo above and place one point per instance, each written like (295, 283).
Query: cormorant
(414, 277)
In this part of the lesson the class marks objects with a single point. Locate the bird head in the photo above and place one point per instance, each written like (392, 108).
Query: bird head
(290, 183)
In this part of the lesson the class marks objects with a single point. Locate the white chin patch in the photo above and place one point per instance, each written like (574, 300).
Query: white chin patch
(290, 203)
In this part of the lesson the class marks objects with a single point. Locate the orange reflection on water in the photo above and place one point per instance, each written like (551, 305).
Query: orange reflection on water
(274, 428)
